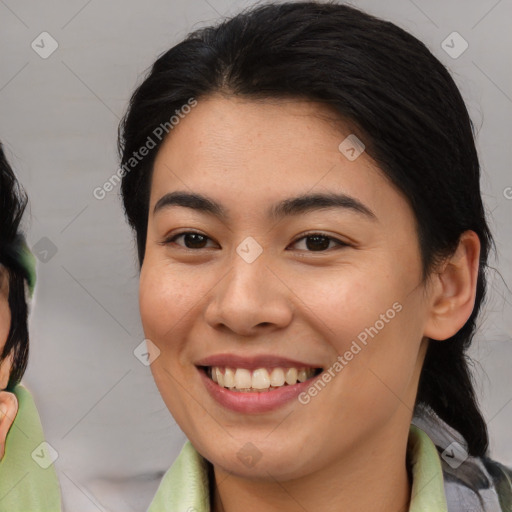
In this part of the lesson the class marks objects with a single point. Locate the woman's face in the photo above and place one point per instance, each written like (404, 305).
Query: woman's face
(252, 285)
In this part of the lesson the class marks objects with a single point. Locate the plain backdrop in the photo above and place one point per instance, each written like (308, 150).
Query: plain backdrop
(99, 406)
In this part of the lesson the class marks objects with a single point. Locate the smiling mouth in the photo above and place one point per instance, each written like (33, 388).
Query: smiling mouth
(258, 380)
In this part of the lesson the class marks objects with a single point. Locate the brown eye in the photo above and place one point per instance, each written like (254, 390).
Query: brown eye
(318, 242)
(191, 239)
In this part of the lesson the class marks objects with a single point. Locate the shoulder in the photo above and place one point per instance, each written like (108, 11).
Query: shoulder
(27, 418)
(479, 484)
(28, 462)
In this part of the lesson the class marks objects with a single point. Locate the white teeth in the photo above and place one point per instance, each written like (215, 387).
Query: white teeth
(229, 378)
(260, 379)
(243, 378)
(291, 376)
(277, 377)
(220, 377)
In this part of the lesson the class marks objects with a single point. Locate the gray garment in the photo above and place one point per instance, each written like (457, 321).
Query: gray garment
(472, 484)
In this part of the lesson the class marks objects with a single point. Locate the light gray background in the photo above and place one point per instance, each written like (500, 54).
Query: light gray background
(99, 406)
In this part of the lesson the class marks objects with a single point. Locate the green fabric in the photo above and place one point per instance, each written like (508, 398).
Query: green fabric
(427, 493)
(185, 485)
(24, 485)
(28, 262)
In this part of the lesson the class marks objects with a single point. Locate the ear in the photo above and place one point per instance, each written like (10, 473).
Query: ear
(453, 289)
(8, 411)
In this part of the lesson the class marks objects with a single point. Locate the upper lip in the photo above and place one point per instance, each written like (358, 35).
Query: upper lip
(253, 362)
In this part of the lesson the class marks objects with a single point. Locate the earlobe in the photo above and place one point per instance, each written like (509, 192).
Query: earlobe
(452, 298)
(8, 411)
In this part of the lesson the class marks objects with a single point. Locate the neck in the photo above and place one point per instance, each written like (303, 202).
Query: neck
(372, 477)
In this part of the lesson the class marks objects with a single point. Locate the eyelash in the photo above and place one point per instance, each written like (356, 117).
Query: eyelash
(339, 243)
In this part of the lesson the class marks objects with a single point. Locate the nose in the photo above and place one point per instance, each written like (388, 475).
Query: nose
(250, 299)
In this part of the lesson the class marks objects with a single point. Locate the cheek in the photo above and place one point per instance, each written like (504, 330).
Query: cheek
(156, 308)
(167, 297)
(373, 321)
(166, 302)
(5, 321)
(347, 300)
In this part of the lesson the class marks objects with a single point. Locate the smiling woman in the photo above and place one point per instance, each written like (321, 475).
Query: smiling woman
(315, 187)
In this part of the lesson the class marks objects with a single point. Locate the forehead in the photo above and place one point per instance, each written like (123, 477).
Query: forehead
(248, 153)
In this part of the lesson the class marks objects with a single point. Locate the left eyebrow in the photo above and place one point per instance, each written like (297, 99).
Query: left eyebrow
(285, 208)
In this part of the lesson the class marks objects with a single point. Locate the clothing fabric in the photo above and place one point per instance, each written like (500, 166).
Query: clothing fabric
(186, 487)
(28, 480)
(475, 485)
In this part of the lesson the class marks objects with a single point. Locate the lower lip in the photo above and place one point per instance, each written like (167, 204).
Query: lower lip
(254, 402)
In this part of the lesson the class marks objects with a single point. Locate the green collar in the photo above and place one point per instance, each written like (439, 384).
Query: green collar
(185, 484)
(28, 262)
(427, 494)
(26, 485)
